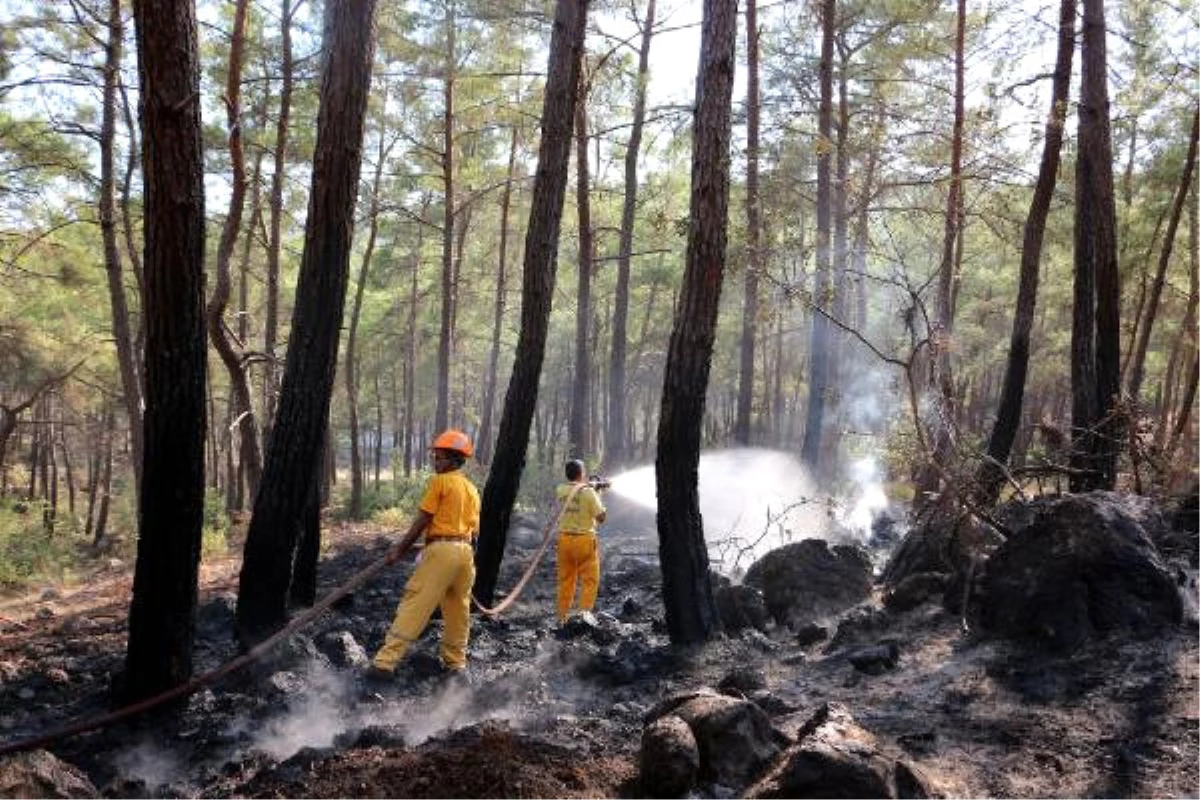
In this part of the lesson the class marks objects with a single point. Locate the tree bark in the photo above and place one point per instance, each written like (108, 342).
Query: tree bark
(941, 380)
(350, 367)
(990, 476)
(616, 445)
(131, 384)
(579, 435)
(449, 285)
(1095, 334)
(275, 236)
(822, 294)
(541, 252)
(754, 255)
(162, 615)
(483, 445)
(244, 424)
(297, 437)
(687, 592)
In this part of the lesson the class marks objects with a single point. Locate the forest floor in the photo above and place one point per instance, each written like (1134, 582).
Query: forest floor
(547, 715)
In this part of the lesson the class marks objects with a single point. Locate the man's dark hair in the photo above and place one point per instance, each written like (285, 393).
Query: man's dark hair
(574, 469)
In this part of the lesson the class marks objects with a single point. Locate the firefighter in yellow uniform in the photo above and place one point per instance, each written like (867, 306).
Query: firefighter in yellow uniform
(448, 516)
(578, 548)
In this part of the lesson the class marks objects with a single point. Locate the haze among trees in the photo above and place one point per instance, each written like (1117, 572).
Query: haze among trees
(249, 286)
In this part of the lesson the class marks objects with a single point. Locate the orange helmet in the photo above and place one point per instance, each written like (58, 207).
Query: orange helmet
(454, 440)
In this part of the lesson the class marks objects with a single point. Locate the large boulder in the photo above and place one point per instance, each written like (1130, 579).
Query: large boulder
(810, 580)
(1083, 567)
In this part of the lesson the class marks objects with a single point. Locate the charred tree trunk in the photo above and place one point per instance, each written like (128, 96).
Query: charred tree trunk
(1008, 414)
(297, 437)
(162, 614)
(541, 251)
(687, 591)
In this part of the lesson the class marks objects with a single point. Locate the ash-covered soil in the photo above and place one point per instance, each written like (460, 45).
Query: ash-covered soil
(550, 713)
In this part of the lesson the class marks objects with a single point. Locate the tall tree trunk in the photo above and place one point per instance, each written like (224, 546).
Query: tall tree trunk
(616, 446)
(541, 253)
(297, 437)
(990, 476)
(754, 254)
(1137, 367)
(449, 285)
(941, 379)
(579, 435)
(483, 445)
(1095, 334)
(350, 366)
(131, 386)
(1187, 345)
(822, 294)
(687, 591)
(162, 614)
(275, 237)
(244, 425)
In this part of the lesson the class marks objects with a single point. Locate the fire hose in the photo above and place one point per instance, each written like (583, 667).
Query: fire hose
(258, 650)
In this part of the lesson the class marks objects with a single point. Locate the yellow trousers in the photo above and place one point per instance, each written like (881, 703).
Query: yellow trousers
(442, 579)
(578, 561)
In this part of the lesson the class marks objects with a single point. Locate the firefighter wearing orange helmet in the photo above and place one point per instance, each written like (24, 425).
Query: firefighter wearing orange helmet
(448, 516)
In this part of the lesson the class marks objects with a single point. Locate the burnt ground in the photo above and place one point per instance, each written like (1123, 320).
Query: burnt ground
(560, 714)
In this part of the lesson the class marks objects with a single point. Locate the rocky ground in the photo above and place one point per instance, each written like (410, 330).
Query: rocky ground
(560, 713)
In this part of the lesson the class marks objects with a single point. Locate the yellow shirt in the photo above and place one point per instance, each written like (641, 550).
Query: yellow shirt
(580, 515)
(454, 503)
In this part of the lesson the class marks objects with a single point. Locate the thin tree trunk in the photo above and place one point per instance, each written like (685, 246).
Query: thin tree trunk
(131, 385)
(244, 425)
(1137, 366)
(275, 204)
(810, 450)
(483, 444)
(349, 364)
(945, 420)
(579, 434)
(616, 439)
(449, 286)
(754, 255)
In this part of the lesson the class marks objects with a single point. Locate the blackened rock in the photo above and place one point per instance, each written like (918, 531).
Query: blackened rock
(807, 580)
(1084, 567)
(876, 659)
(740, 606)
(669, 758)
